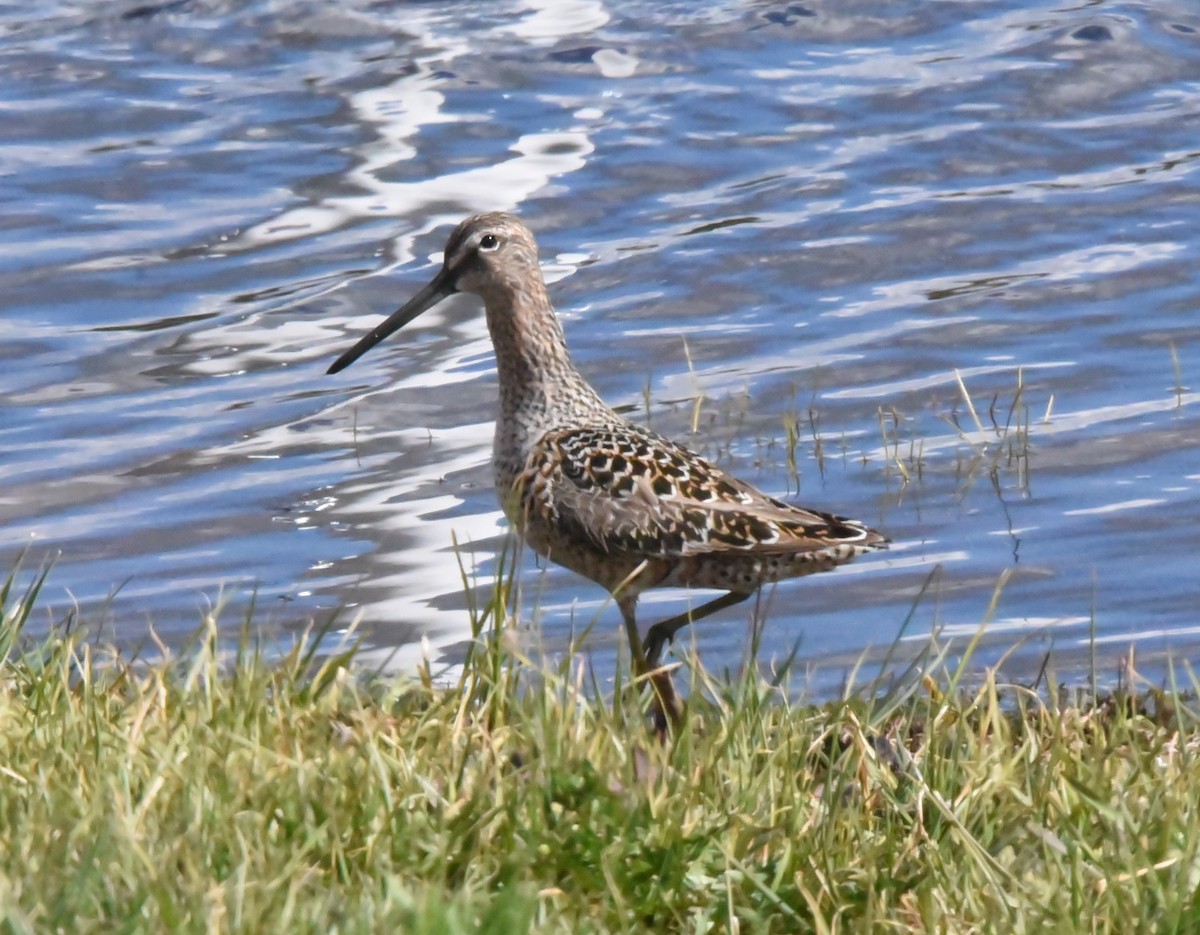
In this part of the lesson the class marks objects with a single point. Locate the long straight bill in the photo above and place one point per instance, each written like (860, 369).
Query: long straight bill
(441, 286)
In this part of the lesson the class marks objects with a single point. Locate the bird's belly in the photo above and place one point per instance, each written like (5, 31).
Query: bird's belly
(540, 531)
(611, 570)
(746, 571)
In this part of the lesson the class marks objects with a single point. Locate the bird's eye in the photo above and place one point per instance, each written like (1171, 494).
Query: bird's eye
(489, 242)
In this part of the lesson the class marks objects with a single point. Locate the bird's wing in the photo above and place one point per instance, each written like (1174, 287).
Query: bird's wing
(632, 491)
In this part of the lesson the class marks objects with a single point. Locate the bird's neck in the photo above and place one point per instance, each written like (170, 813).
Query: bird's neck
(539, 384)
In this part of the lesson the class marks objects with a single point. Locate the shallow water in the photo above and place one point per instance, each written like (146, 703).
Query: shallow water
(761, 216)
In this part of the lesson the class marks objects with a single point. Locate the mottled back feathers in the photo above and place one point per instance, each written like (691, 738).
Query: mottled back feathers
(624, 489)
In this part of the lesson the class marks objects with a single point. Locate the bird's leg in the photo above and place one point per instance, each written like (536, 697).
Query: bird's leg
(628, 607)
(664, 631)
(666, 709)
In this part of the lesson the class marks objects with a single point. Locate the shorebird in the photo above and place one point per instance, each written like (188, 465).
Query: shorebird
(592, 491)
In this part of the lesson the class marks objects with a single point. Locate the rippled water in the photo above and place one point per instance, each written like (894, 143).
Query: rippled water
(782, 232)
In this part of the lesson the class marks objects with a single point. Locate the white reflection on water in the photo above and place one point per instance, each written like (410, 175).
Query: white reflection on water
(500, 185)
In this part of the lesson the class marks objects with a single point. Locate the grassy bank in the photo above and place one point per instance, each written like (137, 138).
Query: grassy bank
(292, 796)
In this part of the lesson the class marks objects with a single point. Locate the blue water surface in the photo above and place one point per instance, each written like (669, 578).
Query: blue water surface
(928, 264)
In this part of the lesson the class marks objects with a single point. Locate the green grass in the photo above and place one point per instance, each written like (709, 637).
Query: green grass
(294, 795)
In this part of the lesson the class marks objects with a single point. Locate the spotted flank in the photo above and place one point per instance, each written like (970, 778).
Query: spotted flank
(615, 502)
(622, 489)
